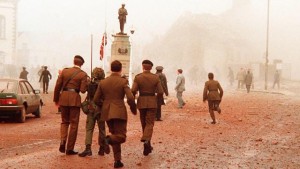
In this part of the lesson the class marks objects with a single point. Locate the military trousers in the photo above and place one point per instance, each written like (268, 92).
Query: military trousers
(70, 119)
(91, 120)
(147, 118)
(180, 99)
(158, 111)
(45, 86)
(118, 130)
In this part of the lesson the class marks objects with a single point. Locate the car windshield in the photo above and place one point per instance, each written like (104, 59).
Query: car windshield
(7, 86)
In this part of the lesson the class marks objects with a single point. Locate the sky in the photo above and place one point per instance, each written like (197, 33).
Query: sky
(147, 18)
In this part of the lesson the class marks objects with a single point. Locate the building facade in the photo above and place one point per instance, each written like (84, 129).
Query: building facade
(8, 31)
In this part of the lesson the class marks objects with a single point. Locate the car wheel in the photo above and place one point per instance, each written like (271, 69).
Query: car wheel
(38, 112)
(22, 115)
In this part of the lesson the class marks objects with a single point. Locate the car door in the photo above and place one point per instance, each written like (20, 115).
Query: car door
(26, 96)
(35, 98)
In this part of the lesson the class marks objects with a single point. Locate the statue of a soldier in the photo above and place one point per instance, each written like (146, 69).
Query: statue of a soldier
(122, 18)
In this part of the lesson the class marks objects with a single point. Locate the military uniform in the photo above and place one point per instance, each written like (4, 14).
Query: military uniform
(213, 92)
(147, 84)
(23, 74)
(93, 117)
(163, 81)
(112, 91)
(45, 77)
(69, 100)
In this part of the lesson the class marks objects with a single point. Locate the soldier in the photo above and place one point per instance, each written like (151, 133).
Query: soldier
(66, 94)
(23, 74)
(248, 80)
(93, 116)
(147, 84)
(110, 96)
(122, 18)
(45, 76)
(213, 93)
(180, 88)
(163, 81)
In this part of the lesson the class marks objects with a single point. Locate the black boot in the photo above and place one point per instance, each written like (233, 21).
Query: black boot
(147, 148)
(86, 152)
(62, 146)
(101, 151)
(118, 164)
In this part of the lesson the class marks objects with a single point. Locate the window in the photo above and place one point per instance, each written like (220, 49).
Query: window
(2, 27)
(23, 88)
(29, 87)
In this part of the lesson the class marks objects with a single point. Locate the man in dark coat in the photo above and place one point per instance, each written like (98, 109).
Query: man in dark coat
(149, 87)
(46, 75)
(66, 95)
(110, 96)
(163, 81)
(23, 74)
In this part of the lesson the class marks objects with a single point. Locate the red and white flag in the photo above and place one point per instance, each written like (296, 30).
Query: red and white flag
(103, 43)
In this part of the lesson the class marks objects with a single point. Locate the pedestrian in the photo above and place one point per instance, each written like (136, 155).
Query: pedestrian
(110, 96)
(180, 88)
(276, 79)
(213, 93)
(150, 90)
(230, 76)
(240, 78)
(46, 76)
(163, 81)
(93, 116)
(248, 80)
(66, 94)
(23, 74)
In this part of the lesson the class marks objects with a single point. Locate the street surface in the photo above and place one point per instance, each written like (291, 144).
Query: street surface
(255, 130)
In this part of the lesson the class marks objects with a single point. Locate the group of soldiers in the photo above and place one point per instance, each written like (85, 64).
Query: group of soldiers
(44, 77)
(106, 104)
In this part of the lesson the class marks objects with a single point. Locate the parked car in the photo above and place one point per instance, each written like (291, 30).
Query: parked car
(18, 98)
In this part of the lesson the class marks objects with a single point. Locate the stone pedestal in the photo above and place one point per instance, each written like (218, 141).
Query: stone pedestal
(120, 50)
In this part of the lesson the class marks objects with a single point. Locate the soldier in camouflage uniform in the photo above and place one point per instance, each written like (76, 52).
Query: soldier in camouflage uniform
(94, 116)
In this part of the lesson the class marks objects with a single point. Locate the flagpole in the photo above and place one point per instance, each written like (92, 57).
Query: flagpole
(105, 24)
(91, 53)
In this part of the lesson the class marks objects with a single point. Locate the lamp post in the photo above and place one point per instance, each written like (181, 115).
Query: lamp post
(267, 48)
(130, 64)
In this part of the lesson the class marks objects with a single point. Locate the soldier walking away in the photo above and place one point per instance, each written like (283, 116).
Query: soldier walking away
(66, 94)
(23, 74)
(46, 75)
(213, 93)
(110, 96)
(248, 80)
(163, 81)
(147, 84)
(122, 18)
(93, 116)
(276, 79)
(180, 88)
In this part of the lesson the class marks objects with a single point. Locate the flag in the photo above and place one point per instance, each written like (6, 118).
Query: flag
(103, 43)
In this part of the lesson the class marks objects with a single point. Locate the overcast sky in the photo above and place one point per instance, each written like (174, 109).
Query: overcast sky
(88, 16)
